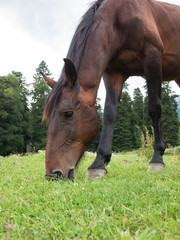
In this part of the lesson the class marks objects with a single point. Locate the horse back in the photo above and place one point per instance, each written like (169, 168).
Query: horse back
(139, 23)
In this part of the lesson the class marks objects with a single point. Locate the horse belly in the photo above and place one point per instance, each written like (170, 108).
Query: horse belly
(128, 63)
(171, 66)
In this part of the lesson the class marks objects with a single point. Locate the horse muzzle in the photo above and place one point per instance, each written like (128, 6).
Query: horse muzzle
(58, 174)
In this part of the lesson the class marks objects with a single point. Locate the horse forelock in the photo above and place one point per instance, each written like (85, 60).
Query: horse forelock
(53, 100)
(55, 97)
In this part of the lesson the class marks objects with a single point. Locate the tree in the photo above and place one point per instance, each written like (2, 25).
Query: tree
(169, 119)
(178, 110)
(11, 115)
(169, 116)
(24, 93)
(138, 106)
(122, 138)
(39, 94)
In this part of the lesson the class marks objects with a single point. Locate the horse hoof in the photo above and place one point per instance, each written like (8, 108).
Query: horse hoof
(96, 173)
(156, 167)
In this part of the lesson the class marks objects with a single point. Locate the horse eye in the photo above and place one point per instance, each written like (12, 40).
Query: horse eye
(68, 114)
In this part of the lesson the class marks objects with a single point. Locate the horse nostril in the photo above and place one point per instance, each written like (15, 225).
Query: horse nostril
(58, 174)
(54, 175)
(71, 174)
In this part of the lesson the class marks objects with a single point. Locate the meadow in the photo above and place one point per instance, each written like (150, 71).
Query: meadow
(128, 203)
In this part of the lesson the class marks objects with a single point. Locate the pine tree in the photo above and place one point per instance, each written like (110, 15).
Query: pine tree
(11, 117)
(138, 106)
(24, 99)
(122, 138)
(169, 116)
(169, 119)
(138, 109)
(39, 95)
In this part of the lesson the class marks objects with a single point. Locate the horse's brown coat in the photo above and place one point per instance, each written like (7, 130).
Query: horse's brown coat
(116, 39)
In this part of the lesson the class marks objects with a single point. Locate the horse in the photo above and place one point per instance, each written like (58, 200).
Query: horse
(115, 39)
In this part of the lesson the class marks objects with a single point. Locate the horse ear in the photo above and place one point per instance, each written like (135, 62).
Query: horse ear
(70, 72)
(50, 82)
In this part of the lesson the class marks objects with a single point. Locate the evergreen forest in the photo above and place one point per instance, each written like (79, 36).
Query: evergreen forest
(21, 127)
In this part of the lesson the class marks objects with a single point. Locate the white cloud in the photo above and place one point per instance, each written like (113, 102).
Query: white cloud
(19, 51)
(32, 31)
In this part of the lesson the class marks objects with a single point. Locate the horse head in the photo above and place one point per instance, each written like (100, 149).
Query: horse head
(72, 124)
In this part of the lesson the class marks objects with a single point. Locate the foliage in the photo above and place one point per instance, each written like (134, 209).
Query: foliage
(179, 130)
(39, 94)
(122, 138)
(147, 144)
(138, 106)
(129, 203)
(24, 93)
(169, 119)
(178, 110)
(11, 115)
(173, 151)
(21, 124)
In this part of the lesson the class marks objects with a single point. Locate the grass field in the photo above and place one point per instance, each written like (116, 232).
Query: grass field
(129, 203)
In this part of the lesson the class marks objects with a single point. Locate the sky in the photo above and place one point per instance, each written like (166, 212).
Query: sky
(36, 30)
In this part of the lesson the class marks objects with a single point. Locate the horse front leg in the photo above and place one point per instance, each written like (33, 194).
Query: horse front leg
(113, 84)
(153, 73)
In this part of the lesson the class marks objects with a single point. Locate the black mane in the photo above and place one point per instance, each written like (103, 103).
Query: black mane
(75, 54)
(78, 42)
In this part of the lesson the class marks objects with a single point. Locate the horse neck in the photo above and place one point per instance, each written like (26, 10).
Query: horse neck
(93, 64)
(89, 79)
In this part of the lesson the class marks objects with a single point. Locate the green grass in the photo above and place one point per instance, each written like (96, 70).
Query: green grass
(129, 203)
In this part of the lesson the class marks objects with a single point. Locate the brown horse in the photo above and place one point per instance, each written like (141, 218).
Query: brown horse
(115, 39)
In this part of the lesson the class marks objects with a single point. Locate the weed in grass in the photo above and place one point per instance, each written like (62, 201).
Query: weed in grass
(147, 139)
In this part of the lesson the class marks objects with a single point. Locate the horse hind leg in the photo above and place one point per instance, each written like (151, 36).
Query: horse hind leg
(113, 84)
(153, 73)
